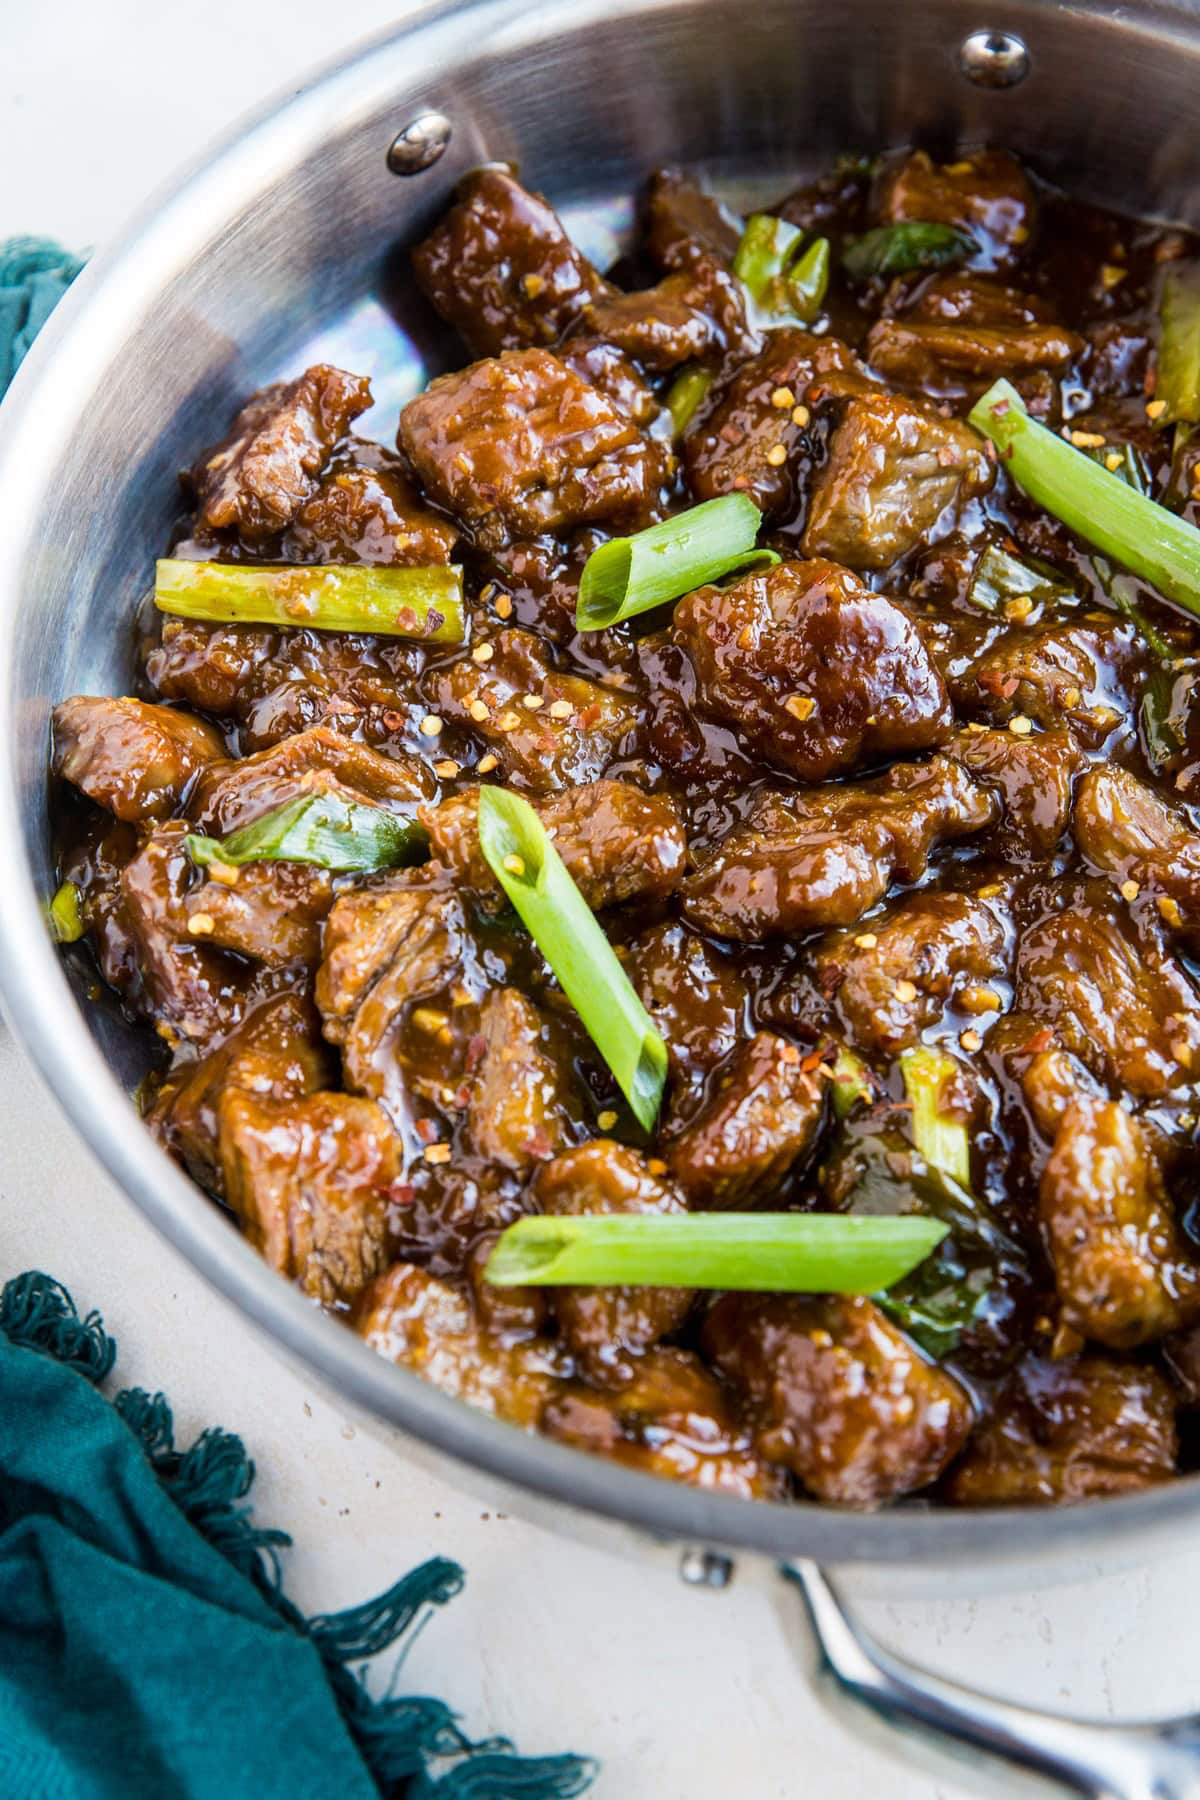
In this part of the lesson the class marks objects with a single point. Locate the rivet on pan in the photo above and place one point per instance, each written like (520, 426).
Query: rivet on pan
(419, 145)
(705, 1568)
(995, 59)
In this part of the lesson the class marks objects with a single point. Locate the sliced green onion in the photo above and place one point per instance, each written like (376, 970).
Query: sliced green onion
(317, 828)
(1178, 376)
(785, 282)
(851, 1082)
(1131, 469)
(801, 1253)
(631, 575)
(563, 926)
(1117, 588)
(939, 1136)
(904, 247)
(999, 577)
(1163, 549)
(686, 393)
(416, 603)
(66, 920)
(940, 1310)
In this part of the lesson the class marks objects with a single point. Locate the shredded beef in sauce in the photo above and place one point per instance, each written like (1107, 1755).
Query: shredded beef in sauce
(830, 806)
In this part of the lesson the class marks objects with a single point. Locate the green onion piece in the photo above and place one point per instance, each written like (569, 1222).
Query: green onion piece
(999, 576)
(685, 395)
(801, 1253)
(66, 920)
(1103, 509)
(1178, 377)
(940, 1311)
(416, 603)
(941, 1138)
(317, 828)
(564, 928)
(904, 247)
(631, 575)
(1117, 588)
(851, 1082)
(785, 282)
(1131, 469)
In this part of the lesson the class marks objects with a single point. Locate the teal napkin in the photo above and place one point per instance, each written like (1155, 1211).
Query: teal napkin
(147, 1650)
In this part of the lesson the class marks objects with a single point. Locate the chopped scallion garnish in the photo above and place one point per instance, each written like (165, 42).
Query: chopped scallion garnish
(685, 395)
(564, 928)
(1000, 576)
(417, 603)
(1177, 380)
(631, 575)
(804, 1253)
(323, 829)
(1105, 511)
(939, 1136)
(851, 1082)
(902, 248)
(66, 920)
(786, 281)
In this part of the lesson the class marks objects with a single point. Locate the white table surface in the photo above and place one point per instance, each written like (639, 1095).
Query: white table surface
(682, 1693)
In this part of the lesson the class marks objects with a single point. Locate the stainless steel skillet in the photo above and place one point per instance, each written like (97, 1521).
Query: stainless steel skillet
(276, 249)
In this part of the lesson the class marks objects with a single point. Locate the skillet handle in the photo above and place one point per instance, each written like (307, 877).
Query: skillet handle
(1158, 1760)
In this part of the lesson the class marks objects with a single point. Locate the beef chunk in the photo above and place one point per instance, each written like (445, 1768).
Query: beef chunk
(270, 912)
(763, 406)
(695, 995)
(521, 1103)
(682, 223)
(1085, 672)
(1113, 997)
(193, 992)
(549, 730)
(500, 267)
(399, 990)
(802, 860)
(1122, 1269)
(511, 1315)
(696, 315)
(953, 357)
(428, 1326)
(519, 445)
(607, 1328)
(308, 1179)
(985, 194)
(314, 761)
(762, 1116)
(135, 760)
(1032, 777)
(672, 1419)
(603, 366)
(275, 1055)
(1071, 1430)
(817, 673)
(838, 1395)
(617, 842)
(257, 479)
(1123, 828)
(895, 466)
(365, 509)
(276, 683)
(893, 980)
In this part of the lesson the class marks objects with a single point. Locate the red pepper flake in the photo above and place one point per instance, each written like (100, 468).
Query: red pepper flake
(401, 1193)
(434, 620)
(475, 1048)
(1041, 1040)
(462, 1099)
(591, 715)
(1000, 408)
(392, 719)
(539, 1146)
(426, 1130)
(406, 619)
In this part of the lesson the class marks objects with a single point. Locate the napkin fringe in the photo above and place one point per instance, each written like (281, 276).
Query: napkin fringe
(396, 1737)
